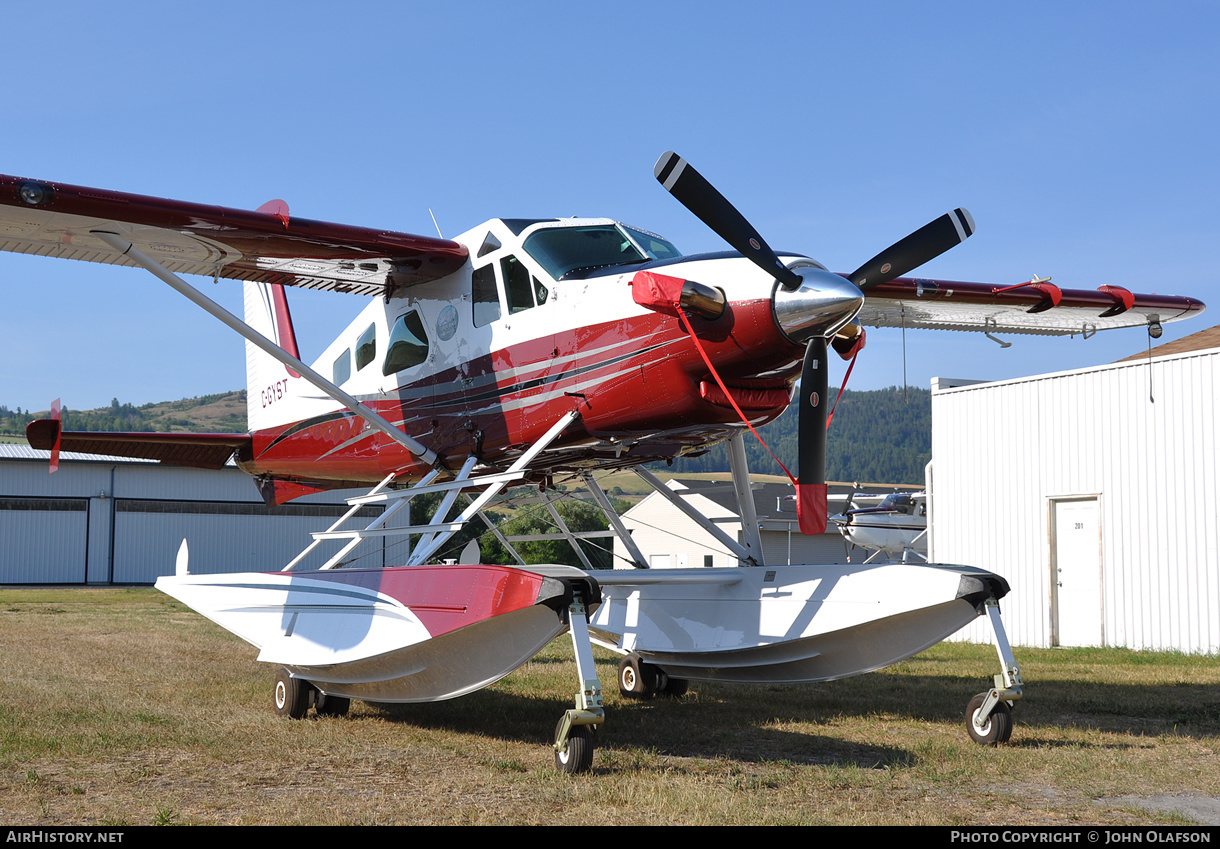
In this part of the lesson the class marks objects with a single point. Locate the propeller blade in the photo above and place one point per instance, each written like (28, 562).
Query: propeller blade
(907, 254)
(694, 192)
(811, 439)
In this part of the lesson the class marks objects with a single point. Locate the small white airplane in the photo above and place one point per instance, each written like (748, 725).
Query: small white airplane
(528, 350)
(894, 525)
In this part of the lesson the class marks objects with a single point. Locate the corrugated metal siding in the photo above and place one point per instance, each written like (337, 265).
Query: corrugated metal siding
(1003, 451)
(221, 536)
(43, 540)
(110, 539)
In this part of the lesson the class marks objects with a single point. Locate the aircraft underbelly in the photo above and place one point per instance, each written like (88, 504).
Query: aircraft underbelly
(791, 624)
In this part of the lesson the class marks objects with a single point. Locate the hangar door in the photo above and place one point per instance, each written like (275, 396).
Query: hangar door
(223, 536)
(1076, 573)
(45, 540)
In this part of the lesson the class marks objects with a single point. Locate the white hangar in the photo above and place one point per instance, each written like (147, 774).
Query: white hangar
(113, 520)
(1095, 492)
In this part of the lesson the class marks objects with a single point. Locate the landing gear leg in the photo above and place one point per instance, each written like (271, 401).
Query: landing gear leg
(989, 714)
(574, 735)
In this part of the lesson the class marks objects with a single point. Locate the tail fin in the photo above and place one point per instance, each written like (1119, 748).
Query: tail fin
(267, 379)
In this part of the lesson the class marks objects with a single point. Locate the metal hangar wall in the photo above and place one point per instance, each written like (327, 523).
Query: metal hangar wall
(112, 520)
(1095, 492)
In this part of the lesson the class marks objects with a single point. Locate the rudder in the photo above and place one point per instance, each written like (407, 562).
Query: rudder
(268, 381)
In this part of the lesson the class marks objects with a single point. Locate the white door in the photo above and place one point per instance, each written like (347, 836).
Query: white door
(1076, 598)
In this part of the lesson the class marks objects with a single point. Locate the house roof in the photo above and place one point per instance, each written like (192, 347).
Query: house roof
(1201, 341)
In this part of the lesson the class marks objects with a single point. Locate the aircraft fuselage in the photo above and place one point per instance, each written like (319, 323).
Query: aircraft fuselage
(489, 357)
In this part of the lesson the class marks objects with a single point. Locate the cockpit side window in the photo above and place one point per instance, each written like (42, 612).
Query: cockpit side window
(517, 284)
(484, 297)
(652, 244)
(366, 347)
(408, 344)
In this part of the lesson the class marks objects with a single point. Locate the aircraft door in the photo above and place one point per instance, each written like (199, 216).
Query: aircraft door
(513, 308)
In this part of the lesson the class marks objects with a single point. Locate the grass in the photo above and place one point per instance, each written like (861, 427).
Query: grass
(121, 707)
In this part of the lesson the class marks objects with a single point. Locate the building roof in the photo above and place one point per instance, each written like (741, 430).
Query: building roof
(1201, 341)
(22, 451)
(771, 500)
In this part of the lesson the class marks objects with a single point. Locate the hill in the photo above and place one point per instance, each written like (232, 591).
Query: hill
(223, 413)
(882, 435)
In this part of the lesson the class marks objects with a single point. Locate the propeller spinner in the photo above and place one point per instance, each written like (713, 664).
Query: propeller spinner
(811, 306)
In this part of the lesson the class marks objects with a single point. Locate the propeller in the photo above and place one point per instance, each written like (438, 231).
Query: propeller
(925, 244)
(693, 191)
(811, 439)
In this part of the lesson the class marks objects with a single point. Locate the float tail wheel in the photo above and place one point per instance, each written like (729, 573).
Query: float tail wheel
(291, 695)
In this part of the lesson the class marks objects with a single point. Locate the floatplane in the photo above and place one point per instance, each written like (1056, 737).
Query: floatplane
(526, 351)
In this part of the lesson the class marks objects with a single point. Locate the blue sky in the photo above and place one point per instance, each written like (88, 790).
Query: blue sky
(1081, 136)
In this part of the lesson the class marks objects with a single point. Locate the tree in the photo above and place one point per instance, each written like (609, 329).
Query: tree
(536, 519)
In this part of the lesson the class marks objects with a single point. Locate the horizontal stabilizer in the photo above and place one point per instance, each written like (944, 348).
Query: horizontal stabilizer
(197, 450)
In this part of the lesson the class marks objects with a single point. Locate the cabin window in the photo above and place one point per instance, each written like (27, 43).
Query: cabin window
(485, 298)
(343, 367)
(517, 285)
(366, 347)
(408, 344)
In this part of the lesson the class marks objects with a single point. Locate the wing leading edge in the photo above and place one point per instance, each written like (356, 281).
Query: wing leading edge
(56, 219)
(1035, 307)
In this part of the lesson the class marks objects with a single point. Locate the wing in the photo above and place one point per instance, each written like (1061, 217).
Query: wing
(54, 219)
(1036, 307)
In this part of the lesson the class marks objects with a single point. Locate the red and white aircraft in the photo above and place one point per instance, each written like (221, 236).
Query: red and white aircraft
(520, 352)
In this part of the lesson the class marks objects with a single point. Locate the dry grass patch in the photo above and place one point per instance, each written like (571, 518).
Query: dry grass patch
(120, 706)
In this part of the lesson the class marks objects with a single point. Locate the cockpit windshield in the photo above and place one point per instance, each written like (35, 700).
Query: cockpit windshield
(899, 502)
(563, 251)
(652, 244)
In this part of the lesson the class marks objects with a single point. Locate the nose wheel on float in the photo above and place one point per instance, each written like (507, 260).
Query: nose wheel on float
(575, 733)
(989, 714)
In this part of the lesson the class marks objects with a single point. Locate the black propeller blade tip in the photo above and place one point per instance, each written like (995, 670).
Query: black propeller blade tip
(908, 253)
(693, 191)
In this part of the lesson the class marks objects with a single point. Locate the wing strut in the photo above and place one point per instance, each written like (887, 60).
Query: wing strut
(261, 342)
(637, 556)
